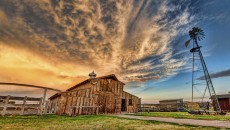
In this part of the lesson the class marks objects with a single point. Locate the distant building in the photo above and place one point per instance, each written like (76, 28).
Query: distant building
(171, 105)
(224, 101)
(149, 107)
(95, 95)
(192, 105)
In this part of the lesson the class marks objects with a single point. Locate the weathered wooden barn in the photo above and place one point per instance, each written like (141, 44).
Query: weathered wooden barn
(94, 95)
(224, 101)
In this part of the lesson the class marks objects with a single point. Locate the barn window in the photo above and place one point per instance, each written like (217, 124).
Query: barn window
(130, 102)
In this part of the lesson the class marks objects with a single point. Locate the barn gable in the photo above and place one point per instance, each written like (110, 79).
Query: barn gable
(112, 76)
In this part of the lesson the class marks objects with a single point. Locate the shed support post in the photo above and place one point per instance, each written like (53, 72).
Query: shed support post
(44, 97)
(5, 105)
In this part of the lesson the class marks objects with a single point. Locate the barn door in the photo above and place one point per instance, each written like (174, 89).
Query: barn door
(107, 103)
(123, 105)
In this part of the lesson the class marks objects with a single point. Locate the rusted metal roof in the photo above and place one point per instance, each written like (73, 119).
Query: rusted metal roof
(222, 96)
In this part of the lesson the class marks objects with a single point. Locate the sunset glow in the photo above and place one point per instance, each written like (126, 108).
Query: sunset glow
(57, 44)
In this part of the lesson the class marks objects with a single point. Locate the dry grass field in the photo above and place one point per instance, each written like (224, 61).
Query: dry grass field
(98, 122)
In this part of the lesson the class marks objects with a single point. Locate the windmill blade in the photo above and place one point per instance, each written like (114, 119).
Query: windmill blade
(187, 42)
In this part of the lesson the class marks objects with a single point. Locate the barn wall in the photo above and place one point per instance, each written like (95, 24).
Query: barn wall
(78, 97)
(224, 104)
(109, 95)
(52, 106)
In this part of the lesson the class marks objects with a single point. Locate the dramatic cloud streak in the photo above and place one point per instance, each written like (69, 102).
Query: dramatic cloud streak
(56, 43)
(224, 73)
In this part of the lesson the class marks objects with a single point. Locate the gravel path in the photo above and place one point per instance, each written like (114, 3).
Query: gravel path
(212, 123)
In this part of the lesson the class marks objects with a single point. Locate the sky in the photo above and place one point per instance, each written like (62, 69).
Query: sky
(57, 43)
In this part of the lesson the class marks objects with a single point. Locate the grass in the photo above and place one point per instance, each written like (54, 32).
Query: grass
(96, 122)
(185, 115)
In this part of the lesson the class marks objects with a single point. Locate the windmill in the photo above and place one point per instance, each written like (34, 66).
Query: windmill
(197, 34)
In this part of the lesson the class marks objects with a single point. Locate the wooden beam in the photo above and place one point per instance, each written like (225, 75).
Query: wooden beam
(28, 85)
(21, 98)
(85, 106)
(40, 107)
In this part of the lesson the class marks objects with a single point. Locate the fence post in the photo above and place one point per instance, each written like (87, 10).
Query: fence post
(5, 105)
(23, 105)
(40, 107)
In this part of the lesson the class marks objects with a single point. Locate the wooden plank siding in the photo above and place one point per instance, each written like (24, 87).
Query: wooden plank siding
(99, 94)
(224, 101)
(224, 104)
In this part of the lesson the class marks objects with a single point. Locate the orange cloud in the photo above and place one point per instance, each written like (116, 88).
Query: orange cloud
(25, 67)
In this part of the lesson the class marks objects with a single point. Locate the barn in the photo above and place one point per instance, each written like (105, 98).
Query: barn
(96, 95)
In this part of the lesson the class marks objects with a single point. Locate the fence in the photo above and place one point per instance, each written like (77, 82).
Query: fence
(12, 105)
(148, 108)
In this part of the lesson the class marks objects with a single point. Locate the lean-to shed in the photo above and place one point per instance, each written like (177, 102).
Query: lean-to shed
(224, 101)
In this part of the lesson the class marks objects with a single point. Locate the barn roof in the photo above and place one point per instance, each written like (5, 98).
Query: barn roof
(55, 95)
(222, 96)
(111, 76)
(131, 94)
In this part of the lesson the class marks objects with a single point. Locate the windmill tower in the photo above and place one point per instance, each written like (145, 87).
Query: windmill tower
(197, 34)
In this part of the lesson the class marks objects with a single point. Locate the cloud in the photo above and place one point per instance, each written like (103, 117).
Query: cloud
(224, 73)
(25, 67)
(64, 40)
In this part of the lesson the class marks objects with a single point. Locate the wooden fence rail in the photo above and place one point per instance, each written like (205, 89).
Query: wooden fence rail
(10, 105)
